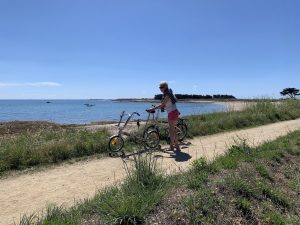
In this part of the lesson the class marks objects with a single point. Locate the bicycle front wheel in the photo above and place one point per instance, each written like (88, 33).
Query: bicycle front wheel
(152, 139)
(116, 143)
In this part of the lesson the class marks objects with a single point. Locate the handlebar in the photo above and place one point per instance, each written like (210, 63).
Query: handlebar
(130, 115)
(136, 113)
(150, 111)
(121, 117)
(123, 114)
(153, 111)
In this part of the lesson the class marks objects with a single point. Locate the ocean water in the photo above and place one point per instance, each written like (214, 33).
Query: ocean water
(76, 112)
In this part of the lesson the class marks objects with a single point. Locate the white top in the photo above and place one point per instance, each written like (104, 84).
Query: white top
(170, 106)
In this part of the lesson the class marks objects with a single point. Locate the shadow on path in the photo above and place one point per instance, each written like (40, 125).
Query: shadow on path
(179, 156)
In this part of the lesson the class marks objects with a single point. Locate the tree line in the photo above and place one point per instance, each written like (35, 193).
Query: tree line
(291, 92)
(205, 97)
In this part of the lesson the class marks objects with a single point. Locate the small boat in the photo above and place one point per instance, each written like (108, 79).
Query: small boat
(48, 102)
(89, 105)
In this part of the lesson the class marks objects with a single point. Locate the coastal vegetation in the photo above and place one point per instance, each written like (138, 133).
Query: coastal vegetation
(27, 145)
(245, 186)
(198, 97)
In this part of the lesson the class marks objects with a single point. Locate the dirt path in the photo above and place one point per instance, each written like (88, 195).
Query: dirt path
(67, 183)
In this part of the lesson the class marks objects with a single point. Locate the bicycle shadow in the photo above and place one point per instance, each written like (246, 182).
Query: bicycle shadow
(125, 156)
(179, 156)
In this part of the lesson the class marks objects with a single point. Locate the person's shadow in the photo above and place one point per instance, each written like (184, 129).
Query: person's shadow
(180, 156)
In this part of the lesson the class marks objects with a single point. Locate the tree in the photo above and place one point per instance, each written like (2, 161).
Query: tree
(292, 92)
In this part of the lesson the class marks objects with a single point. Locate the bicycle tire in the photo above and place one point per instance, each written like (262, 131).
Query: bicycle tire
(116, 143)
(152, 140)
(150, 128)
(183, 131)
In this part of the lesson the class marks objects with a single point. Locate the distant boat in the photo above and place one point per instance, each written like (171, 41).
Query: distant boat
(89, 105)
(48, 102)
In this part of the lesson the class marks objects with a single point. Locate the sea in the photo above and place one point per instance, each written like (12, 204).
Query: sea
(88, 111)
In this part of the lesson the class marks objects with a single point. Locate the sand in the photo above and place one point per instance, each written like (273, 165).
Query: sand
(65, 184)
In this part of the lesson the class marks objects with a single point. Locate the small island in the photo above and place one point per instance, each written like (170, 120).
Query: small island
(187, 98)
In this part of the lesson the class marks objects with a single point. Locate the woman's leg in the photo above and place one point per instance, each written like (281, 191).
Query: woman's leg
(173, 134)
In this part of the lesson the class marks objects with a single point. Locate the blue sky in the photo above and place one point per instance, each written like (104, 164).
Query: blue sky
(110, 49)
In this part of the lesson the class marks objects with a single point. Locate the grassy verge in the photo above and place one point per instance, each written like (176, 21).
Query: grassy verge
(244, 186)
(25, 148)
(34, 148)
(260, 113)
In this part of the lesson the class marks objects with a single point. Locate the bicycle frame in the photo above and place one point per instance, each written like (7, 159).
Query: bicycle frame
(158, 122)
(155, 118)
(121, 128)
(162, 125)
(150, 140)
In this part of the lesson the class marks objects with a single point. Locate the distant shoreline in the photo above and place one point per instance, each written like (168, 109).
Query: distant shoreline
(180, 100)
(10, 127)
(135, 100)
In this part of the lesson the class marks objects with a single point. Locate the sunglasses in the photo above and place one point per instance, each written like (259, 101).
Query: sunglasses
(161, 87)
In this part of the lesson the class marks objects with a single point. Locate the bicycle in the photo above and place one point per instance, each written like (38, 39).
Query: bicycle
(149, 139)
(162, 127)
(183, 125)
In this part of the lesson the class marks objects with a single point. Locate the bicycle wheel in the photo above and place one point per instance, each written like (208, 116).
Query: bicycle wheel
(181, 130)
(150, 128)
(151, 139)
(182, 121)
(116, 143)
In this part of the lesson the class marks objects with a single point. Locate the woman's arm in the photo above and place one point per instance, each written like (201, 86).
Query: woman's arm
(162, 105)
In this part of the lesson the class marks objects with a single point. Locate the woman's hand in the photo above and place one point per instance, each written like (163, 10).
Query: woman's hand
(150, 110)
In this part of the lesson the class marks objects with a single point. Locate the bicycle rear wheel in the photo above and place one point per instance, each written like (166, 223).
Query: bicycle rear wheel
(181, 130)
(115, 143)
(151, 139)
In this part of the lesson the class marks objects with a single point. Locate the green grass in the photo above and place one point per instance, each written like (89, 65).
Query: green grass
(244, 205)
(32, 149)
(243, 188)
(142, 191)
(274, 195)
(264, 172)
(294, 184)
(201, 206)
(275, 218)
(264, 112)
(242, 183)
(53, 216)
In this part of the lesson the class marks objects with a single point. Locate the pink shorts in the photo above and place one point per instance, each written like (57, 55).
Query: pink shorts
(173, 116)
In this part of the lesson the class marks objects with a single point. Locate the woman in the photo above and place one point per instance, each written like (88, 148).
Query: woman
(169, 104)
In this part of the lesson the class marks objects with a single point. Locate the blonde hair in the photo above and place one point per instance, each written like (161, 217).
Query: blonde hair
(164, 84)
